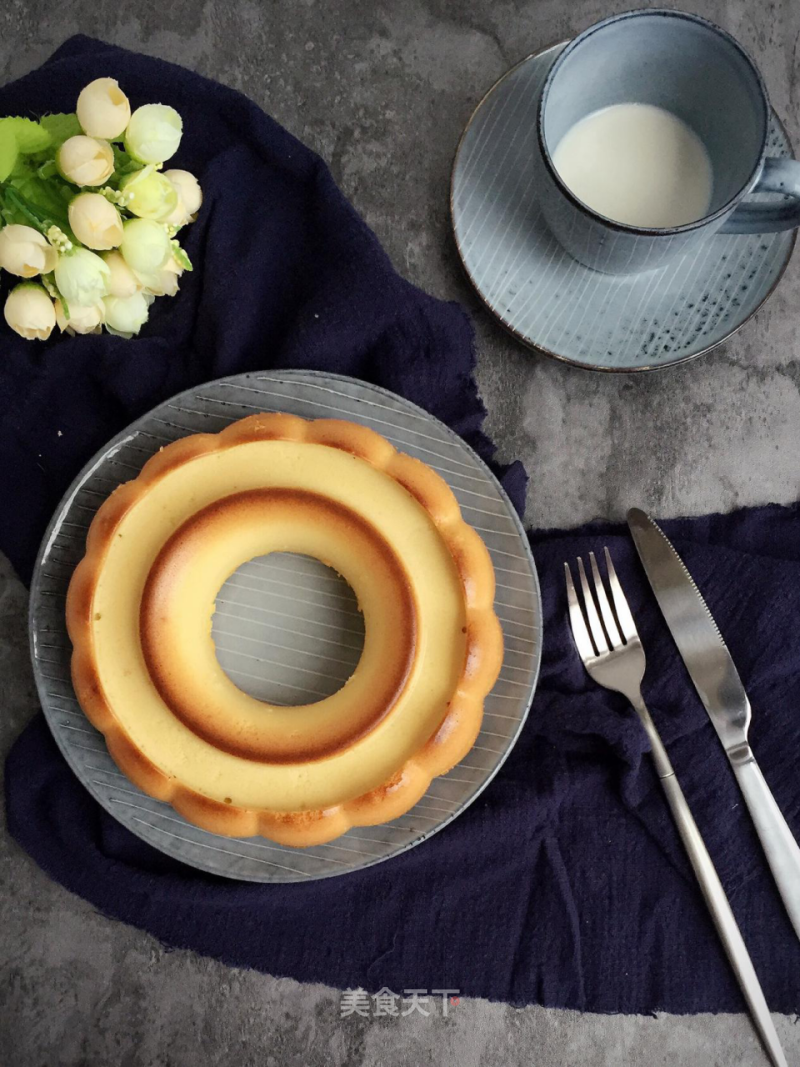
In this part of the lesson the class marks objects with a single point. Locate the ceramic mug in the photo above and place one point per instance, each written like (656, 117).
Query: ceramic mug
(688, 66)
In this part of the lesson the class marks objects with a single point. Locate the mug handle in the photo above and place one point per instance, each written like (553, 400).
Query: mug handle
(777, 176)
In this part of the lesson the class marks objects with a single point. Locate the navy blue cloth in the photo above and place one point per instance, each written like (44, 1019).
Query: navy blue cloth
(565, 883)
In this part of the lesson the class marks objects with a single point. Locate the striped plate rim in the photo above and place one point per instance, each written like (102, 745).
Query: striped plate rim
(211, 407)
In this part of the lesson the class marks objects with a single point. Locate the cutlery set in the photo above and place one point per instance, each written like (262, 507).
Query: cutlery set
(608, 643)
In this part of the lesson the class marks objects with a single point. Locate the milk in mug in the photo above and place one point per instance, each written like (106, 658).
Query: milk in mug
(637, 164)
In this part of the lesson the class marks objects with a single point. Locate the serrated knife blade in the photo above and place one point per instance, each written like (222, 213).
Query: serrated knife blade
(720, 688)
(694, 631)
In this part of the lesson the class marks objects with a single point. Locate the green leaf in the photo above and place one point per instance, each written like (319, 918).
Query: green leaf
(123, 164)
(121, 158)
(8, 152)
(30, 213)
(31, 136)
(50, 196)
(181, 256)
(60, 127)
(9, 213)
(24, 211)
(20, 169)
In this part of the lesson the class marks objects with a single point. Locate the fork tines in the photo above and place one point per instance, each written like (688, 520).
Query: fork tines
(617, 626)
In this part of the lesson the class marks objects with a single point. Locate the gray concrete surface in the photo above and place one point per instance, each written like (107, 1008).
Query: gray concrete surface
(382, 91)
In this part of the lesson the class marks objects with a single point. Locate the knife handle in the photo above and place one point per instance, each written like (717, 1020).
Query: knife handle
(724, 920)
(780, 846)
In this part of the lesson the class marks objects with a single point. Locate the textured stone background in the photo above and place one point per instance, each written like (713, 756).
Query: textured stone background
(382, 90)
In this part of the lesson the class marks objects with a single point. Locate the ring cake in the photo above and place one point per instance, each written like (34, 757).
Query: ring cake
(144, 663)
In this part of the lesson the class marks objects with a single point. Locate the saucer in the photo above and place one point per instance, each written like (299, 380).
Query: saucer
(555, 305)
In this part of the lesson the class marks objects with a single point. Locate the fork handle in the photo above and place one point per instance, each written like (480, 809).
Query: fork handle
(780, 846)
(714, 894)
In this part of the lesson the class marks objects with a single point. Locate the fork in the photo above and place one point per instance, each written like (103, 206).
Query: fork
(613, 656)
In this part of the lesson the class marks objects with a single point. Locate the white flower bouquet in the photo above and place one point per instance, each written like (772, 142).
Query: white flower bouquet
(89, 215)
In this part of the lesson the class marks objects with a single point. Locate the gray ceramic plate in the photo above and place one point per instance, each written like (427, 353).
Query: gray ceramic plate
(552, 303)
(286, 628)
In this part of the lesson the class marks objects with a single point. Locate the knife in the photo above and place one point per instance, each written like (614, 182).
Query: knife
(720, 688)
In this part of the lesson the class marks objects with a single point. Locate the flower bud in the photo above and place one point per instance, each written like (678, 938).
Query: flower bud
(103, 109)
(25, 252)
(149, 194)
(94, 221)
(84, 161)
(163, 282)
(81, 319)
(154, 133)
(122, 281)
(145, 246)
(82, 277)
(190, 197)
(126, 314)
(29, 311)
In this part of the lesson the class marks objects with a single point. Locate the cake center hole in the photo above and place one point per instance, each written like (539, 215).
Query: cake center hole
(287, 629)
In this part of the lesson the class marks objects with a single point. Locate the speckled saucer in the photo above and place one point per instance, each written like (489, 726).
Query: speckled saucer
(552, 303)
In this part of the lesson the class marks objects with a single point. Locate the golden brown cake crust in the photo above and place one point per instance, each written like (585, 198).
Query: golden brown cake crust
(460, 725)
(205, 717)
